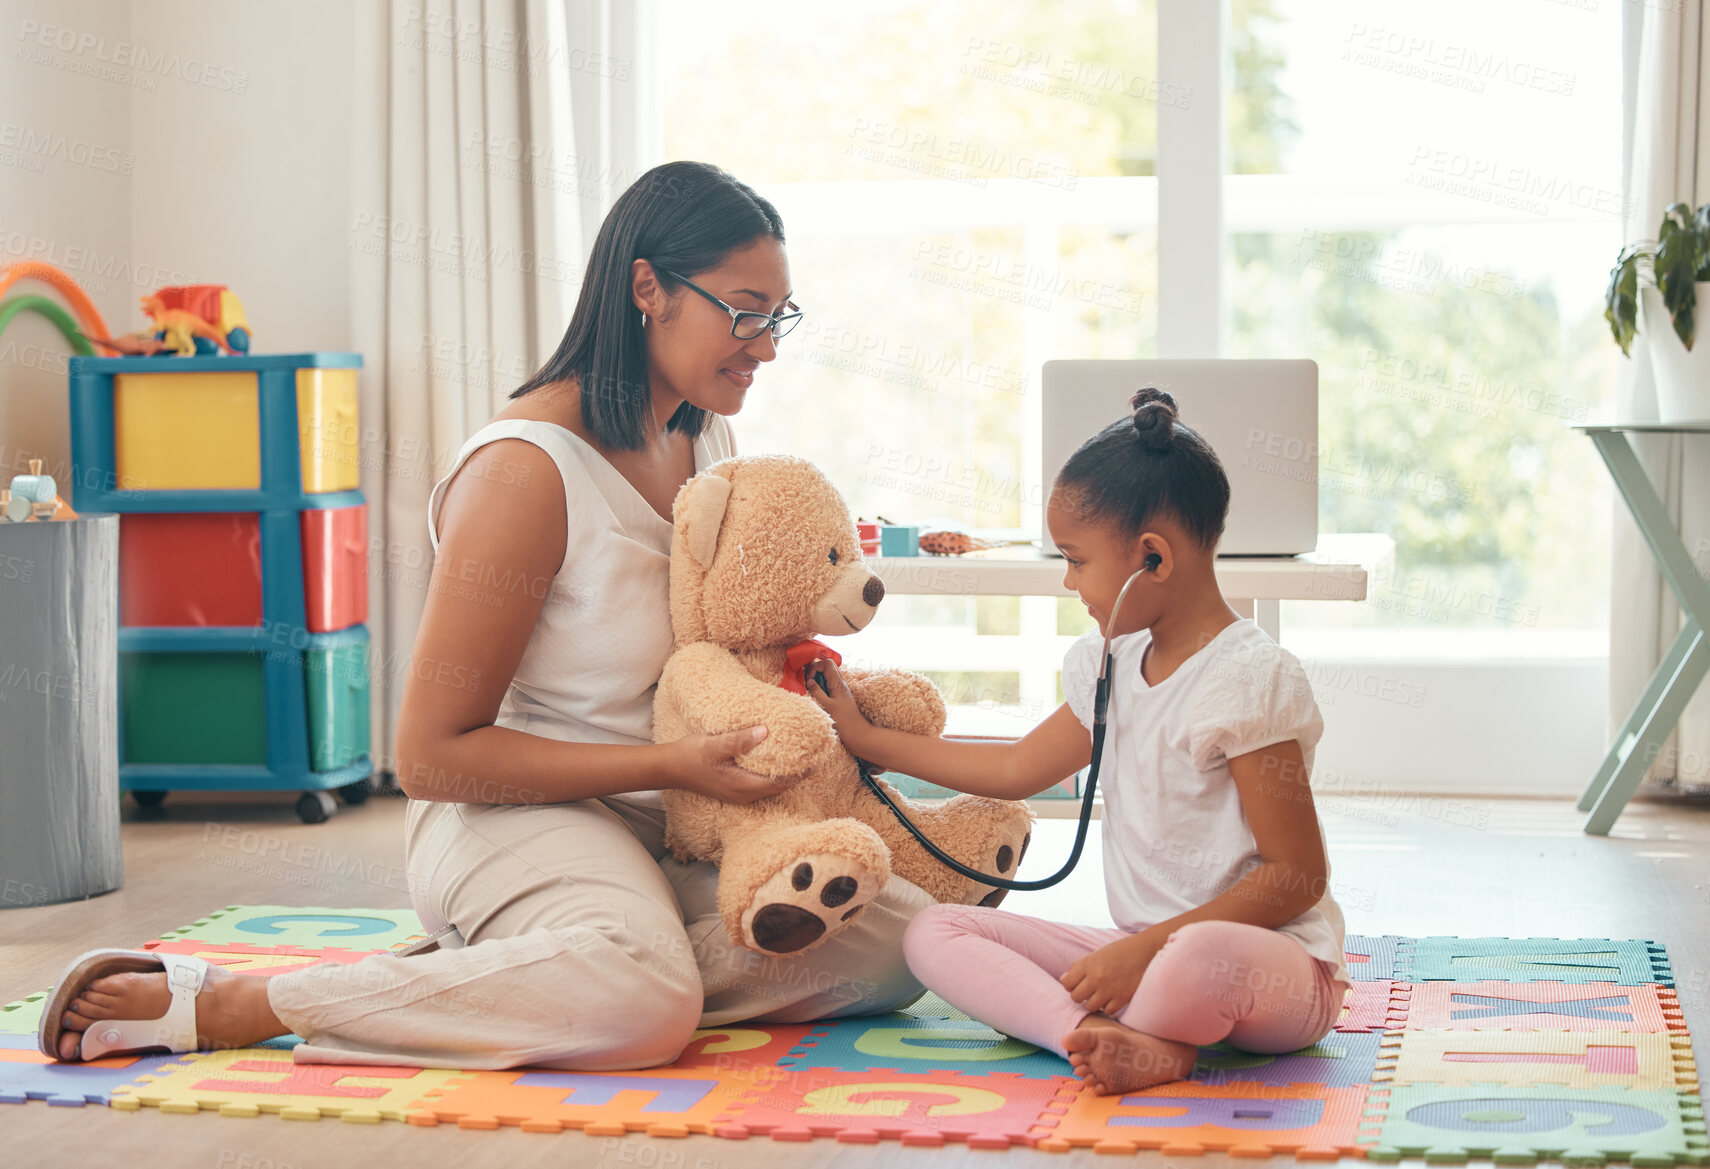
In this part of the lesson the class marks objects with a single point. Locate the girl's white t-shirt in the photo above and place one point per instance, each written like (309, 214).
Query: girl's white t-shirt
(1174, 833)
(593, 661)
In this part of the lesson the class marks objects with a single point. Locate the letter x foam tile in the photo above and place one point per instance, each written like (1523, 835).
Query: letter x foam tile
(921, 1045)
(27, 1074)
(658, 1101)
(1543, 1006)
(250, 1081)
(1577, 960)
(1572, 1059)
(314, 928)
(988, 1111)
(1312, 1121)
(1520, 1126)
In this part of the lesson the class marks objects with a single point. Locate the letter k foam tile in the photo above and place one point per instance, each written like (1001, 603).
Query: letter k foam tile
(659, 1101)
(1520, 1126)
(1543, 1006)
(909, 1044)
(1573, 1059)
(1576, 960)
(27, 1074)
(250, 1081)
(1312, 1121)
(987, 1111)
(315, 928)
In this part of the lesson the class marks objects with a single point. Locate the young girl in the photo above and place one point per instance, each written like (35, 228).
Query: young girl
(1214, 859)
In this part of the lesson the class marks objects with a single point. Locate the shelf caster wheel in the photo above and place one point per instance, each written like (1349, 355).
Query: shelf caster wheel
(356, 793)
(314, 807)
(148, 799)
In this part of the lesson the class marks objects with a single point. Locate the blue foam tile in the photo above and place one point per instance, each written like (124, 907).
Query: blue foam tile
(25, 1074)
(908, 1044)
(1572, 960)
(1372, 958)
(1339, 1060)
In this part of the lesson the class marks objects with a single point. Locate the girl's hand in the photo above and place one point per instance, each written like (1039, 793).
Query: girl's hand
(839, 703)
(1107, 978)
(706, 765)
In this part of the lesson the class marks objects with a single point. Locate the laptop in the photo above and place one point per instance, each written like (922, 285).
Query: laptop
(1260, 416)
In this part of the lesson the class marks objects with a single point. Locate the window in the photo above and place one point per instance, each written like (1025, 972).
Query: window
(1423, 198)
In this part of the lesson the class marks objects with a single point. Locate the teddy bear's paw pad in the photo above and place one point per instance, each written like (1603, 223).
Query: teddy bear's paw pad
(1008, 863)
(804, 901)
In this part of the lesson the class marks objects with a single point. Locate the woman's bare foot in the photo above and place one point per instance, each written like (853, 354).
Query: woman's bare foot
(1112, 1058)
(231, 1011)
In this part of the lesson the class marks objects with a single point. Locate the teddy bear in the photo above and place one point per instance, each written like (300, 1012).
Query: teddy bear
(764, 556)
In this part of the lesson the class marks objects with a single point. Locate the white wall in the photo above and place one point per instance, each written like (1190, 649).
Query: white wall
(65, 158)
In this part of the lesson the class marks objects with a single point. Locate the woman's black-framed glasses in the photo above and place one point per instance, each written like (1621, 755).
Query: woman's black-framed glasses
(745, 325)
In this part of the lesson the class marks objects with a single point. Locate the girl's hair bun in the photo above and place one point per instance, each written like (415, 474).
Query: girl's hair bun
(1154, 418)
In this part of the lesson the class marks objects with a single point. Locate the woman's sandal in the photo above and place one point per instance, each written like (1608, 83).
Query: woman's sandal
(175, 1030)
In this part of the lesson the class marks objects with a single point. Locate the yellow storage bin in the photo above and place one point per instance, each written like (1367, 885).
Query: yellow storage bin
(183, 429)
(326, 429)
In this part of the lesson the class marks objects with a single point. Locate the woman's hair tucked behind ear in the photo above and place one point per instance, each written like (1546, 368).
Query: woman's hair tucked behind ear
(685, 216)
(1150, 464)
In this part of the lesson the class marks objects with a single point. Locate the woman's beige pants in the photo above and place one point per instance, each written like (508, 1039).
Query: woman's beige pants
(585, 947)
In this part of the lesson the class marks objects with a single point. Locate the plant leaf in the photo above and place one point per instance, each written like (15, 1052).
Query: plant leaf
(1677, 268)
(1622, 297)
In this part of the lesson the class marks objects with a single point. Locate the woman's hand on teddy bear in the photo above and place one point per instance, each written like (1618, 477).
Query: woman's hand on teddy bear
(708, 765)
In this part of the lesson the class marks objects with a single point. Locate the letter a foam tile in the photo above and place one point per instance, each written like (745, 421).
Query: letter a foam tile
(239, 958)
(1576, 960)
(314, 928)
(909, 1044)
(1312, 1121)
(1543, 1006)
(250, 1081)
(1520, 1126)
(27, 1074)
(988, 1111)
(1573, 1059)
(659, 1101)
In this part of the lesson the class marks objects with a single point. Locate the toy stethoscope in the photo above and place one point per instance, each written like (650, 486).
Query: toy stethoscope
(1101, 708)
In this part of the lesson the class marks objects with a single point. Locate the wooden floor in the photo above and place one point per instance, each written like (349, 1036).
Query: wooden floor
(1406, 865)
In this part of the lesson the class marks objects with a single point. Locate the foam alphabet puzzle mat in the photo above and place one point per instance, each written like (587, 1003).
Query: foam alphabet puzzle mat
(1518, 1050)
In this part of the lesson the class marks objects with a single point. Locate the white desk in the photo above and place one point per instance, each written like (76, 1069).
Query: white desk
(1339, 569)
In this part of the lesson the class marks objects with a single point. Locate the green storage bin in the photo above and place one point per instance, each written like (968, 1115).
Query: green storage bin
(337, 694)
(193, 708)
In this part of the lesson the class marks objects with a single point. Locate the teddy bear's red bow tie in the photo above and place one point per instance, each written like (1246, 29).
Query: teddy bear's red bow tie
(798, 656)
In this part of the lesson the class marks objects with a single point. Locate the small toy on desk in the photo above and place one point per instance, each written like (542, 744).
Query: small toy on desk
(36, 496)
(899, 540)
(947, 542)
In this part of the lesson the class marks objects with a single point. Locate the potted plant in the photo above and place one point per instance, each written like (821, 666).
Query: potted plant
(1664, 280)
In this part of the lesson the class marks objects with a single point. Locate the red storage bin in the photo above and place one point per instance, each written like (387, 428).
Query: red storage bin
(335, 567)
(191, 568)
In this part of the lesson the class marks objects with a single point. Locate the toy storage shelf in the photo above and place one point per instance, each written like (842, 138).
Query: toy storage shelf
(243, 651)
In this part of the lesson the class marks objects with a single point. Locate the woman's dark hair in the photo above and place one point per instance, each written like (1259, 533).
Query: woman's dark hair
(685, 216)
(1140, 467)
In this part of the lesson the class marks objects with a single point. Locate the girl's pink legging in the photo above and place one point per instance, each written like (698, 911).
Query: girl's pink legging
(1211, 981)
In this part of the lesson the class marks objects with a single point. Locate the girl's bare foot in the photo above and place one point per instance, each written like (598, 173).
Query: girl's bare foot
(231, 1011)
(1112, 1058)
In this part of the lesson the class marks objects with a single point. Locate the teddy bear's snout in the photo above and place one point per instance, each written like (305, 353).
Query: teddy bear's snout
(874, 592)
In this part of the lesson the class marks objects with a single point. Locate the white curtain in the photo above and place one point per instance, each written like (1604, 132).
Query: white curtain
(490, 137)
(1668, 113)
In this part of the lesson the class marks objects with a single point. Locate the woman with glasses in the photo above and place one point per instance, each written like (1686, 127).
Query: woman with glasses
(535, 835)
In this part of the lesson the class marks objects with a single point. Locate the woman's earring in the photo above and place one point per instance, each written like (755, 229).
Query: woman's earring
(644, 320)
